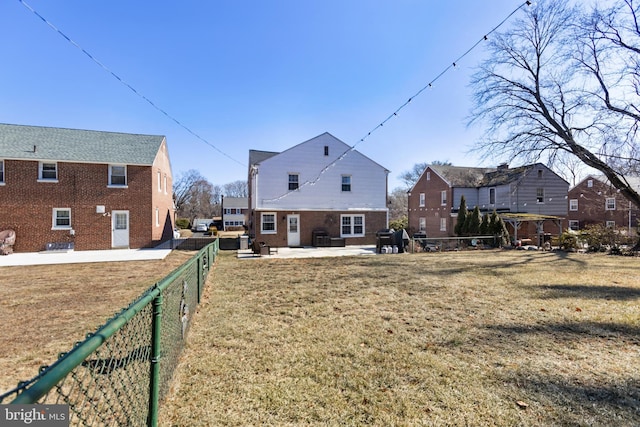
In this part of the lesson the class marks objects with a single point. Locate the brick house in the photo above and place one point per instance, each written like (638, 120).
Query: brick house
(534, 192)
(84, 189)
(321, 185)
(595, 201)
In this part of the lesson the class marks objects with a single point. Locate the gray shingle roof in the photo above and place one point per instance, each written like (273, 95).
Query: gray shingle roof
(75, 145)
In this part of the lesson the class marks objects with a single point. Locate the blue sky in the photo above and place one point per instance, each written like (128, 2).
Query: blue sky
(263, 75)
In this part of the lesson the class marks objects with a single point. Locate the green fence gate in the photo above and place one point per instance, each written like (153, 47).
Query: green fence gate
(119, 373)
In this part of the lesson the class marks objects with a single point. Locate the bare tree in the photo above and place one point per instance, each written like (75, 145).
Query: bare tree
(412, 176)
(182, 187)
(398, 204)
(544, 92)
(195, 197)
(236, 189)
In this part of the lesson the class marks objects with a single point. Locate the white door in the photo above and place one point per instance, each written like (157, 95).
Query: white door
(293, 230)
(120, 229)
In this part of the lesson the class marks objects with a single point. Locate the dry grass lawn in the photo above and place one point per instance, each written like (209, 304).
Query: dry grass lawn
(45, 309)
(498, 338)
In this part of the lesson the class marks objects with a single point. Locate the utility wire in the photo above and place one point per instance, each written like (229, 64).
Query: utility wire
(418, 93)
(117, 77)
(330, 165)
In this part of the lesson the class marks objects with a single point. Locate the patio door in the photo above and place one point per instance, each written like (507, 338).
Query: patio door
(120, 229)
(293, 230)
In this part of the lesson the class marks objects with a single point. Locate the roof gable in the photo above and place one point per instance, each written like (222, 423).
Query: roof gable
(21, 142)
(337, 149)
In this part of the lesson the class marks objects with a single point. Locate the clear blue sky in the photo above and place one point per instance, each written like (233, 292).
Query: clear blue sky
(261, 74)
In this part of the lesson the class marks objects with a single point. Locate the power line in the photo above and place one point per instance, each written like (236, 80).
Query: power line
(403, 106)
(122, 81)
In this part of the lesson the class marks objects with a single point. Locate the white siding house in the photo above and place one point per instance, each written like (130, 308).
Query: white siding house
(319, 185)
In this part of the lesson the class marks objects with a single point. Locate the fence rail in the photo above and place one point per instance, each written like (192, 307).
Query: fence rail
(118, 374)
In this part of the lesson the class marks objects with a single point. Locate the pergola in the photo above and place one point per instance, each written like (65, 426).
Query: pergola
(517, 219)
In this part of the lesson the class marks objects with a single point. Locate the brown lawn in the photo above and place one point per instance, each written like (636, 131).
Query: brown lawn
(499, 338)
(45, 309)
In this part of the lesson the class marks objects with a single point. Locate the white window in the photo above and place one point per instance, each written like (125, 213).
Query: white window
(294, 181)
(589, 183)
(610, 204)
(117, 175)
(573, 205)
(159, 181)
(346, 182)
(428, 175)
(352, 225)
(1, 171)
(422, 200)
(157, 217)
(422, 224)
(492, 196)
(61, 219)
(443, 224)
(48, 171)
(443, 198)
(165, 184)
(539, 195)
(574, 224)
(611, 224)
(268, 223)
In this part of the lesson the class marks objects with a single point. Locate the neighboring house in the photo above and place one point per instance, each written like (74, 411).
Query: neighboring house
(533, 191)
(235, 212)
(321, 185)
(595, 201)
(84, 189)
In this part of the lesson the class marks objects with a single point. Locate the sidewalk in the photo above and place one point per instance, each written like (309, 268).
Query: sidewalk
(70, 257)
(311, 252)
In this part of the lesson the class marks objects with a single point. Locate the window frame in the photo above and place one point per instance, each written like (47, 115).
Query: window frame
(573, 205)
(55, 217)
(2, 169)
(263, 216)
(346, 184)
(353, 225)
(492, 195)
(574, 224)
(111, 175)
(610, 206)
(443, 223)
(422, 224)
(41, 172)
(443, 198)
(293, 185)
(610, 224)
(540, 195)
(422, 201)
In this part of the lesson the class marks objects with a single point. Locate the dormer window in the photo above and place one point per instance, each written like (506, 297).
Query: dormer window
(48, 171)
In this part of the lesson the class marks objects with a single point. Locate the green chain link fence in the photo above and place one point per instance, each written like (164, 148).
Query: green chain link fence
(118, 374)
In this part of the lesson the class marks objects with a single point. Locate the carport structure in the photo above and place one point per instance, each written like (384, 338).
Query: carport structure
(517, 219)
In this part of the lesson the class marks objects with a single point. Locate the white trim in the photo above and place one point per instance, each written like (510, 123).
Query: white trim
(275, 223)
(352, 225)
(54, 218)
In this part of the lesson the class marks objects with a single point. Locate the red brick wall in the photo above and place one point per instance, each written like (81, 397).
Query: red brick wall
(327, 220)
(591, 205)
(433, 210)
(26, 205)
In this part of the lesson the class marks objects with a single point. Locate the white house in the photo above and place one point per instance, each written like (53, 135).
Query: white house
(234, 212)
(321, 186)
